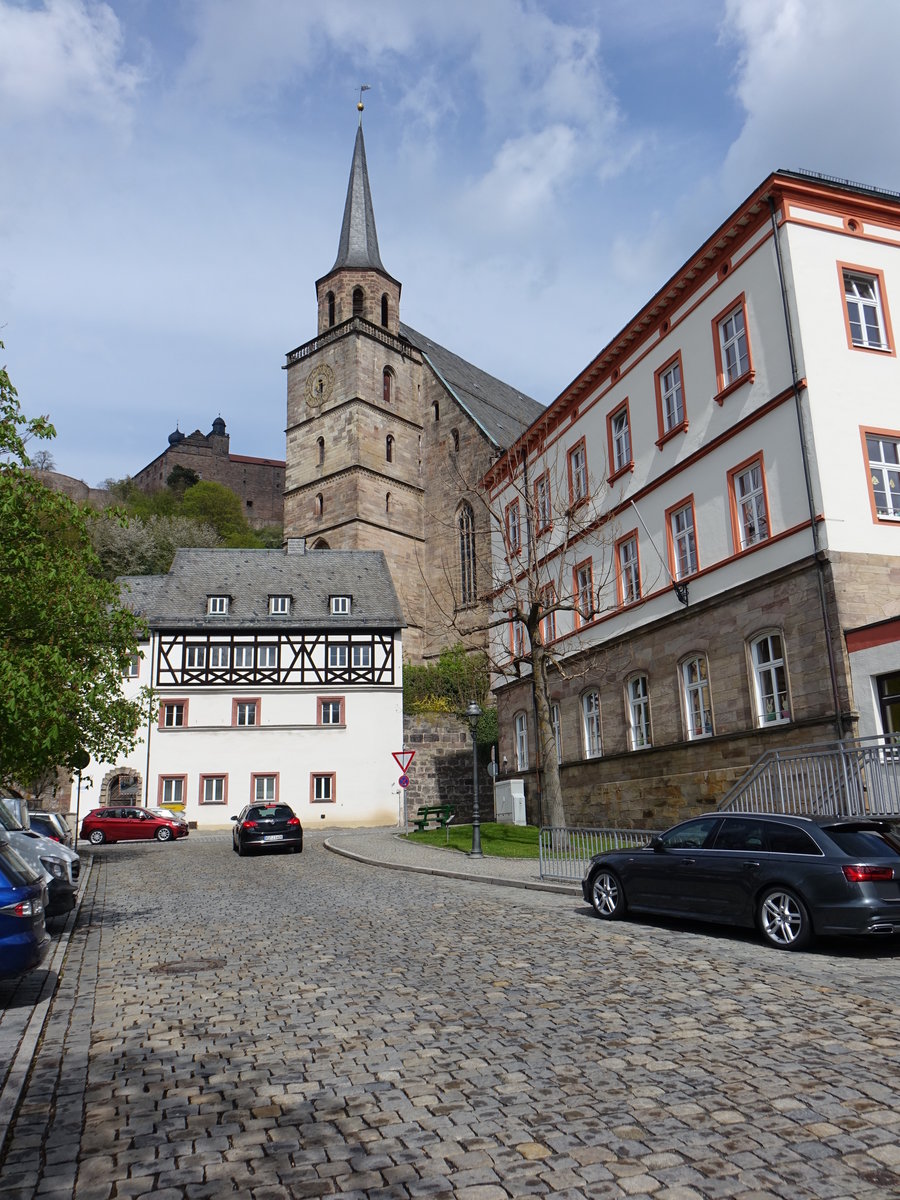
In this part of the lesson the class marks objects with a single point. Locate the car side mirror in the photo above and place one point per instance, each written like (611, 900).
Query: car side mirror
(234, 818)
(656, 843)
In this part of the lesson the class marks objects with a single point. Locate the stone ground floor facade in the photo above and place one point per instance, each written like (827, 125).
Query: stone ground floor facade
(680, 768)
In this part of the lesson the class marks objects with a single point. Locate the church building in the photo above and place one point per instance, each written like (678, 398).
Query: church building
(388, 437)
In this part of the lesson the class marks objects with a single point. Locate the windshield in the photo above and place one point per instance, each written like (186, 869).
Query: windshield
(16, 870)
(8, 820)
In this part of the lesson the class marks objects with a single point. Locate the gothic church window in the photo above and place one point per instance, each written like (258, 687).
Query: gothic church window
(387, 385)
(358, 299)
(389, 448)
(384, 309)
(454, 433)
(319, 504)
(320, 451)
(436, 411)
(330, 300)
(465, 523)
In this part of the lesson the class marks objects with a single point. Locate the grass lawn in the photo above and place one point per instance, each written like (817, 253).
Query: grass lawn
(501, 841)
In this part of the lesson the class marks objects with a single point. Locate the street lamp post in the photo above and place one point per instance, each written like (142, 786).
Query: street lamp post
(473, 712)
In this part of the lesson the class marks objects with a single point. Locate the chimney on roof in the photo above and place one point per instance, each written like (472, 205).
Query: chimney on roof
(296, 546)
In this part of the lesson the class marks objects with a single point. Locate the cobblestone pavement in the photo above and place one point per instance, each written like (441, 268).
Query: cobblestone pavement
(303, 1026)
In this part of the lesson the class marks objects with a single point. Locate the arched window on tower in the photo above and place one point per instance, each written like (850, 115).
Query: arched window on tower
(454, 433)
(389, 448)
(436, 411)
(330, 301)
(320, 450)
(387, 502)
(319, 504)
(384, 310)
(358, 300)
(387, 385)
(465, 524)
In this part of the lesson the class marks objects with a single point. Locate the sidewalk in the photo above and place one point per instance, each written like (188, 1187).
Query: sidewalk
(388, 848)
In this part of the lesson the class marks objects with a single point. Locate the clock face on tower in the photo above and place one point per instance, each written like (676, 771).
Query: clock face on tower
(319, 385)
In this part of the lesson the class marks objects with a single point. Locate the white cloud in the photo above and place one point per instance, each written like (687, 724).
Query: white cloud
(64, 57)
(520, 188)
(819, 83)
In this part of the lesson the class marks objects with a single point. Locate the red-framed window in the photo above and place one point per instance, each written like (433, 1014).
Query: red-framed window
(330, 710)
(749, 503)
(682, 539)
(583, 591)
(213, 789)
(618, 433)
(323, 787)
(245, 711)
(731, 342)
(628, 569)
(173, 714)
(671, 411)
(867, 319)
(576, 462)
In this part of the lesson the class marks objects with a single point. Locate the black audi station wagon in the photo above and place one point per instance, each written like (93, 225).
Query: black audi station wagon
(789, 876)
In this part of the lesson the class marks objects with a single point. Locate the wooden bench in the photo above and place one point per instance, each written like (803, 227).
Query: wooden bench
(441, 814)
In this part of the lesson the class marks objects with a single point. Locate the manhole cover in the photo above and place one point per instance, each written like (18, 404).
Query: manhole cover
(188, 966)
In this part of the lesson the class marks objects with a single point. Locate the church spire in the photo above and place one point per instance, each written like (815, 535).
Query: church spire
(358, 246)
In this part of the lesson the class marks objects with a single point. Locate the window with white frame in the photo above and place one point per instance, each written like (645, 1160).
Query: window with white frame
(750, 505)
(217, 604)
(770, 692)
(219, 656)
(133, 670)
(629, 570)
(244, 656)
(340, 605)
(212, 789)
(542, 507)
(279, 605)
(521, 742)
(584, 590)
(337, 656)
(695, 695)
(884, 473)
(362, 656)
(548, 624)
(331, 711)
(684, 543)
(322, 789)
(865, 313)
(578, 474)
(557, 730)
(590, 720)
(195, 656)
(265, 788)
(671, 397)
(513, 532)
(171, 789)
(733, 348)
(267, 655)
(517, 638)
(620, 437)
(245, 712)
(639, 712)
(173, 713)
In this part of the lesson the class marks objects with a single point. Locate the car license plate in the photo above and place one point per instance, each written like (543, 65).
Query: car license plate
(272, 837)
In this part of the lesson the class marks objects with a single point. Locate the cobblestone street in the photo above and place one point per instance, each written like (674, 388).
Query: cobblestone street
(305, 1025)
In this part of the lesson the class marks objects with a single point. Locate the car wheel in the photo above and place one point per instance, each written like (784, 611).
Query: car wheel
(163, 834)
(97, 837)
(234, 845)
(783, 919)
(607, 895)
(240, 849)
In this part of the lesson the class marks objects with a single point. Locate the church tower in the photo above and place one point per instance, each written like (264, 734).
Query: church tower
(388, 437)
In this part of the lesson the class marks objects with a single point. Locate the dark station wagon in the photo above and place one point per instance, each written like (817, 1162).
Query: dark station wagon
(789, 876)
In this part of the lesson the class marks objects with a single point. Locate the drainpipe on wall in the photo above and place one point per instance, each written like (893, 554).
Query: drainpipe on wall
(818, 552)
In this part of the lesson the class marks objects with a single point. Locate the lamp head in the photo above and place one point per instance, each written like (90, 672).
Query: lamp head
(473, 712)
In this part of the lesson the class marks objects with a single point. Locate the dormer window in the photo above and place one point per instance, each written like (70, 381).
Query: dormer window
(340, 605)
(217, 605)
(279, 605)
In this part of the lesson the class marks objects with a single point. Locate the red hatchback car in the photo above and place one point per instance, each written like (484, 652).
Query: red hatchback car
(130, 824)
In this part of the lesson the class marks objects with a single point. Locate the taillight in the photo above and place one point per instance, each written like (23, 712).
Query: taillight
(868, 874)
(249, 825)
(24, 908)
(294, 821)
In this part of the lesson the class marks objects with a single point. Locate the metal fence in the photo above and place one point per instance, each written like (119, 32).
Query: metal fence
(853, 778)
(565, 853)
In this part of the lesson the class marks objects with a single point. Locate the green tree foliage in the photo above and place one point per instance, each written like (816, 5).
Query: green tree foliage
(145, 545)
(181, 478)
(216, 505)
(65, 636)
(448, 685)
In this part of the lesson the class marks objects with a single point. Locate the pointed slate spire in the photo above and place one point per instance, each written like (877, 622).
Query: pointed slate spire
(358, 246)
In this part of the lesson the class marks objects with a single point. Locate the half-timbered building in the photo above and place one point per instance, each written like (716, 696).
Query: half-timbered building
(276, 675)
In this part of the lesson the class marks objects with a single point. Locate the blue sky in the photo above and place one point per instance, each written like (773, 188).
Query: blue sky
(174, 171)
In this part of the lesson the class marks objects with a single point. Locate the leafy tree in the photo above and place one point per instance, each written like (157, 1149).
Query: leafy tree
(65, 636)
(145, 545)
(449, 684)
(181, 478)
(216, 505)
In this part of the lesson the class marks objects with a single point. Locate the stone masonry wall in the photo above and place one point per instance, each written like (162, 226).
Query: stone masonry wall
(441, 772)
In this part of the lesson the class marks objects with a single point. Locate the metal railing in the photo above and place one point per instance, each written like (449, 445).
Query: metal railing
(565, 853)
(853, 779)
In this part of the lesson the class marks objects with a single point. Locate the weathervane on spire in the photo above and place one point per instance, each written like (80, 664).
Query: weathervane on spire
(365, 87)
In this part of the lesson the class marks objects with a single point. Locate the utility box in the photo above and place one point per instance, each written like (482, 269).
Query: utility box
(509, 802)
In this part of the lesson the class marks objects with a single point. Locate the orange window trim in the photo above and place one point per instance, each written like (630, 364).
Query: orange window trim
(164, 704)
(733, 502)
(886, 433)
(890, 351)
(681, 427)
(257, 700)
(725, 389)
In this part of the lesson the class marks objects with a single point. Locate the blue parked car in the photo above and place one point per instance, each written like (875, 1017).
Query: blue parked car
(24, 942)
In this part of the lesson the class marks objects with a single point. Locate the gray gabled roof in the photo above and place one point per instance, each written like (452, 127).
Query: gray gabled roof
(502, 411)
(358, 246)
(178, 600)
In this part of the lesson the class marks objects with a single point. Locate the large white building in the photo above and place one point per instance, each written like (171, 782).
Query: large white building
(276, 675)
(736, 590)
